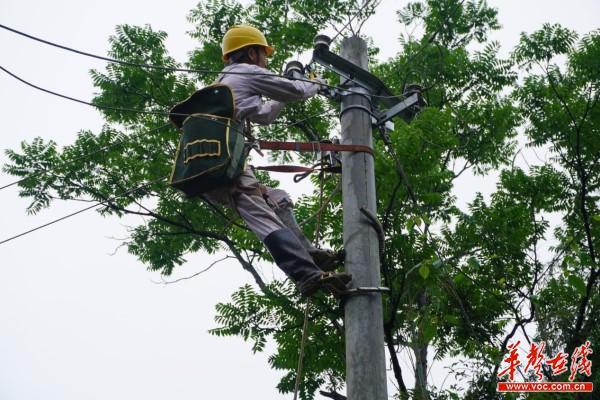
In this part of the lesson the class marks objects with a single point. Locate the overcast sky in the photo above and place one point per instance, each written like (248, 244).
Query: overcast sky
(77, 323)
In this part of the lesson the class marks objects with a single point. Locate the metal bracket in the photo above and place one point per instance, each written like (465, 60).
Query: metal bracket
(359, 107)
(359, 291)
(405, 108)
(351, 71)
(364, 290)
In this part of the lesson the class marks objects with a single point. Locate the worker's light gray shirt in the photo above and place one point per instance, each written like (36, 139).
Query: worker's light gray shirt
(249, 91)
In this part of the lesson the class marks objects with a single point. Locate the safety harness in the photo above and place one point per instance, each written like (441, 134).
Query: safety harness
(212, 149)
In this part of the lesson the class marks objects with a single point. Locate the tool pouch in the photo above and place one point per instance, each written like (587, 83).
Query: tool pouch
(211, 151)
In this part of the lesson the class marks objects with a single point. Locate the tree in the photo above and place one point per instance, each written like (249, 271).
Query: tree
(463, 282)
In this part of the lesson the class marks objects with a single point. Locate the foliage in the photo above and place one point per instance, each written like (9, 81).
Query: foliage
(463, 281)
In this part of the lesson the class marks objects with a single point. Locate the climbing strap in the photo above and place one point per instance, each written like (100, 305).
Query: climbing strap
(285, 168)
(315, 147)
(310, 146)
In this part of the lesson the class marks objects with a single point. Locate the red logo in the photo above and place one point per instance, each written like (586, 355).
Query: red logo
(536, 360)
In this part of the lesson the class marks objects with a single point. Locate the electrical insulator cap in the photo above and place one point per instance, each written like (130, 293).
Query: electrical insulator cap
(322, 40)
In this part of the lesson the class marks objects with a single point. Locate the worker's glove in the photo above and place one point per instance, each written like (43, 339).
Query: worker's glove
(323, 85)
(319, 80)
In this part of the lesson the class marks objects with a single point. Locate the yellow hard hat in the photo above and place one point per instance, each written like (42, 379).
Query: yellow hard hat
(239, 36)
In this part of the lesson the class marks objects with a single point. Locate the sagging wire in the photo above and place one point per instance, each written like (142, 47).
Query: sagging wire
(302, 347)
(170, 69)
(109, 200)
(88, 155)
(105, 107)
(129, 191)
(307, 307)
(321, 113)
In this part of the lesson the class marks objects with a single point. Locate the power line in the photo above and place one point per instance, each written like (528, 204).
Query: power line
(121, 195)
(133, 110)
(71, 161)
(128, 110)
(111, 199)
(141, 65)
(173, 69)
(128, 63)
(350, 21)
(163, 113)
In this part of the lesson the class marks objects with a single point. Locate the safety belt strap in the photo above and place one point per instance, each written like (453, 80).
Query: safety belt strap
(285, 168)
(312, 146)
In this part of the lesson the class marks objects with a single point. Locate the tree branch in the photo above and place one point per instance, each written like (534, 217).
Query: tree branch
(194, 275)
(332, 395)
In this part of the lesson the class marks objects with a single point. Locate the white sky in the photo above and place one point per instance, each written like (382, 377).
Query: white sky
(76, 323)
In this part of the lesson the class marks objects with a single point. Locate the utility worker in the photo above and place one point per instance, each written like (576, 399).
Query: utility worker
(268, 211)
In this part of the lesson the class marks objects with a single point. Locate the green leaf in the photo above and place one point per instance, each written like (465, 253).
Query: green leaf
(429, 330)
(424, 271)
(577, 283)
(473, 262)
(476, 108)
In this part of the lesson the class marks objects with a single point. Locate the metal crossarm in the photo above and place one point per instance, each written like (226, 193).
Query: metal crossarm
(351, 71)
(377, 91)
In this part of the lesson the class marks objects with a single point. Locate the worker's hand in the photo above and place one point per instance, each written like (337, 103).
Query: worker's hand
(317, 79)
(323, 86)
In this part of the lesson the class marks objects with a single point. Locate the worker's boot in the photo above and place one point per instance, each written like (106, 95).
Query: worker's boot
(327, 260)
(296, 262)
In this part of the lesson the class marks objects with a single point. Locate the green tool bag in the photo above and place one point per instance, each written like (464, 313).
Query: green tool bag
(211, 151)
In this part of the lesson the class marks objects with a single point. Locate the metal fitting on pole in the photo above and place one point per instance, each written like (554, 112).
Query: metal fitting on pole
(294, 70)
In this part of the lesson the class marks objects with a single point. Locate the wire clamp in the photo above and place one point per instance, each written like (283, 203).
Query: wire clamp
(358, 291)
(255, 145)
(364, 290)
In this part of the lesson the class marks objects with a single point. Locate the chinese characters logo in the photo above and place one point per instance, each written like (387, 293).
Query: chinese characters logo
(540, 364)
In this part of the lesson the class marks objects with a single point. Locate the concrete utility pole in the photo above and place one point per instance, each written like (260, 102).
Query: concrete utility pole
(365, 354)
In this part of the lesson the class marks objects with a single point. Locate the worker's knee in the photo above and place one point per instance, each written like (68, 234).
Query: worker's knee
(247, 184)
(279, 198)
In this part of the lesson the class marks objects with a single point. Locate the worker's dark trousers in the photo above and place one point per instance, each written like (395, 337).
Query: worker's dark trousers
(248, 198)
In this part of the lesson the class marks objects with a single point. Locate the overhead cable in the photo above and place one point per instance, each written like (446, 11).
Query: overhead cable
(128, 110)
(109, 200)
(83, 157)
(100, 106)
(164, 113)
(172, 69)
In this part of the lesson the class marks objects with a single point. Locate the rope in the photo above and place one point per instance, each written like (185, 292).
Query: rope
(301, 355)
(318, 224)
(306, 309)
